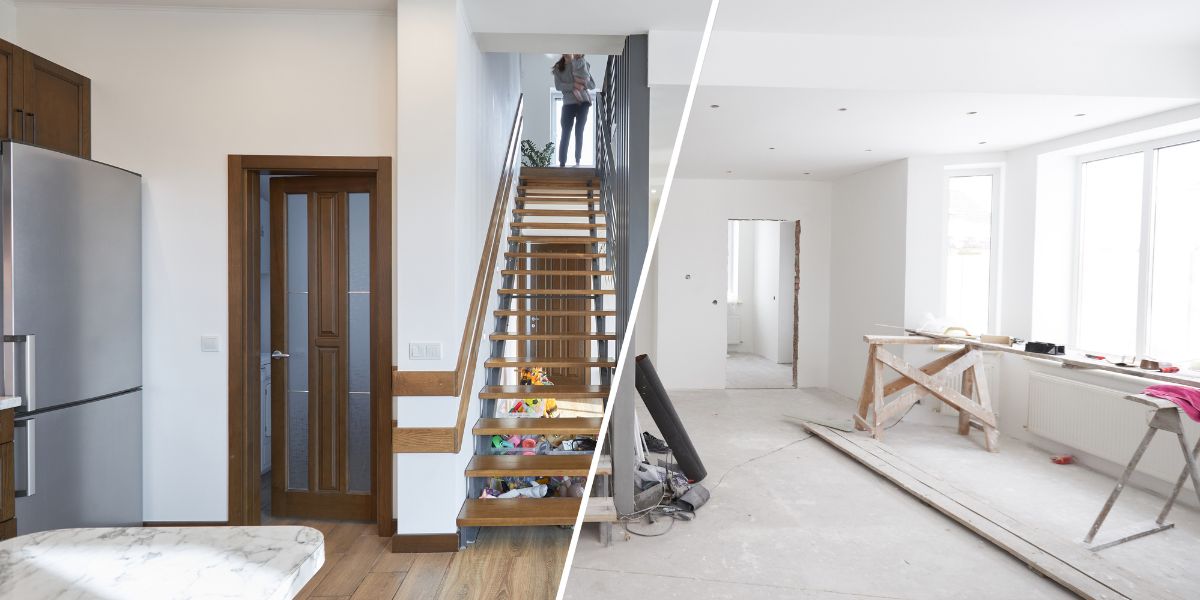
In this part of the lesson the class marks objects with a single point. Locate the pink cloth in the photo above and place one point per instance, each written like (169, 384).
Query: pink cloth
(1187, 398)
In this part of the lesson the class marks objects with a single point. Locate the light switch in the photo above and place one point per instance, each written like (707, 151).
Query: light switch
(210, 343)
(425, 351)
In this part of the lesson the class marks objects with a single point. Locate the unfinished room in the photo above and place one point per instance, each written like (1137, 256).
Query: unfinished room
(991, 301)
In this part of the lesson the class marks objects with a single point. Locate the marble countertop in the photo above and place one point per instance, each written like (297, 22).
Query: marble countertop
(161, 563)
(7, 402)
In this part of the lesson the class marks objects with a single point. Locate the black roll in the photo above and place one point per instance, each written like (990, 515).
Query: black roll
(663, 412)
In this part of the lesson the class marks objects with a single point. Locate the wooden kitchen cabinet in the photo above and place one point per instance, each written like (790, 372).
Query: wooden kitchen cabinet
(8, 498)
(44, 104)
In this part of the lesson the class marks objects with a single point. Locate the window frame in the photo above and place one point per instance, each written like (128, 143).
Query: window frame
(733, 257)
(994, 253)
(1149, 151)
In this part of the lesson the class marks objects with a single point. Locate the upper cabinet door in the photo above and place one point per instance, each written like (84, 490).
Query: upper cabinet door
(10, 92)
(57, 107)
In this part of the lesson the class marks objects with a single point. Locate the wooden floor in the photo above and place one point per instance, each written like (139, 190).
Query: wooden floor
(506, 562)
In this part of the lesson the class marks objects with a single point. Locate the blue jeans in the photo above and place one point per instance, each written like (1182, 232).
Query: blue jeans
(573, 115)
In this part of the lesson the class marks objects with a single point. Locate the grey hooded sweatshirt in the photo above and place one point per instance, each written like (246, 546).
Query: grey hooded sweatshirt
(564, 81)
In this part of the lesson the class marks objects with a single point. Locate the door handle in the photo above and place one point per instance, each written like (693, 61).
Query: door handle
(278, 355)
(30, 427)
(20, 119)
(30, 395)
(34, 117)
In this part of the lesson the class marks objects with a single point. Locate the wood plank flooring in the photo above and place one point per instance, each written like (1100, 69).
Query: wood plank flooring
(504, 563)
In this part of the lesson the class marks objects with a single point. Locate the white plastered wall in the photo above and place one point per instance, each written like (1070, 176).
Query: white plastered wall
(174, 92)
(690, 349)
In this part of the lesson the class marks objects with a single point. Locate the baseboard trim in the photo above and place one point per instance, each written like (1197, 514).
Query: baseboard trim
(423, 543)
(185, 523)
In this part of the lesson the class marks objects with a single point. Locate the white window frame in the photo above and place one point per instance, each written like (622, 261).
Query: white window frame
(997, 175)
(1146, 242)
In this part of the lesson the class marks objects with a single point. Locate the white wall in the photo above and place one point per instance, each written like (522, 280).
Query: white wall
(455, 108)
(8, 21)
(868, 256)
(173, 93)
(691, 352)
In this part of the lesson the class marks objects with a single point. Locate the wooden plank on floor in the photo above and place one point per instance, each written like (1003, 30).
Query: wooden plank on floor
(354, 566)
(378, 586)
(1080, 571)
(424, 579)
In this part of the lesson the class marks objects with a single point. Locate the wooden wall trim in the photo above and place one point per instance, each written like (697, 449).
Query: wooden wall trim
(416, 544)
(424, 383)
(425, 440)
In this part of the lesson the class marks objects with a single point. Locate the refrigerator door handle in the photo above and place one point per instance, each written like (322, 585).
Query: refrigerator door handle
(30, 392)
(30, 427)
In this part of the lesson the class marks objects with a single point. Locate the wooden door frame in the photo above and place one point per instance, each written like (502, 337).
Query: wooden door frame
(245, 321)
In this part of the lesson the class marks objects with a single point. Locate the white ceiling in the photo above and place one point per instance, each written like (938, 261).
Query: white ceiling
(1122, 21)
(606, 17)
(810, 134)
(332, 5)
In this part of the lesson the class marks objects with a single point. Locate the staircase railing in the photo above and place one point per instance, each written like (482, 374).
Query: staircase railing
(458, 382)
(623, 164)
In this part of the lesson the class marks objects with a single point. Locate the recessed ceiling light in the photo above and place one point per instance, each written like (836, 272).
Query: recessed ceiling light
(771, 148)
(728, 172)
(974, 112)
(843, 109)
(807, 173)
(982, 143)
(1081, 114)
(867, 150)
(714, 106)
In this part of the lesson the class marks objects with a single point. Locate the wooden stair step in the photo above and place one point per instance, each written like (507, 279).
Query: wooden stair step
(563, 226)
(558, 185)
(552, 465)
(554, 212)
(508, 362)
(538, 426)
(556, 255)
(555, 239)
(556, 200)
(550, 313)
(549, 292)
(572, 273)
(518, 512)
(551, 337)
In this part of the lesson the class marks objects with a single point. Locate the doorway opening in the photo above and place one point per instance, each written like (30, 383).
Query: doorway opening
(544, 118)
(762, 289)
(310, 339)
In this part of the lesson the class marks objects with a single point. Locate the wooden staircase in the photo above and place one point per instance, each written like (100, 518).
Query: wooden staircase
(555, 310)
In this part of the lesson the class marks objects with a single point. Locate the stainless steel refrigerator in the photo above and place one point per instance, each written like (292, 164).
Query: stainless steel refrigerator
(71, 308)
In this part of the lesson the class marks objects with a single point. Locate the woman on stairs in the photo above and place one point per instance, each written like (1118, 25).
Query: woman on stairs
(573, 77)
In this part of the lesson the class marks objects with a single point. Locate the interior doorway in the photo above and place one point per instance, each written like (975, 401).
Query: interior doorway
(310, 339)
(762, 288)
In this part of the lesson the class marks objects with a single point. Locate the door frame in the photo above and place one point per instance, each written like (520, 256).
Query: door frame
(795, 294)
(245, 321)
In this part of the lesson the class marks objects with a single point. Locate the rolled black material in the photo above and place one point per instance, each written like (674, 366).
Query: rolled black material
(659, 405)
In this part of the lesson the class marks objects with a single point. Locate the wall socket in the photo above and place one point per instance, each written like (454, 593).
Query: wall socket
(425, 351)
(210, 343)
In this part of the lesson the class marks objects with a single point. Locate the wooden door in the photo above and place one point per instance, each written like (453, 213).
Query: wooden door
(11, 114)
(322, 448)
(565, 324)
(56, 105)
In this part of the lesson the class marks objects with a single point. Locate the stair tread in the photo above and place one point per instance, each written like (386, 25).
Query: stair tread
(556, 200)
(548, 225)
(550, 363)
(556, 239)
(503, 465)
(558, 255)
(535, 391)
(476, 512)
(539, 426)
(565, 272)
(550, 292)
(555, 313)
(556, 212)
(550, 337)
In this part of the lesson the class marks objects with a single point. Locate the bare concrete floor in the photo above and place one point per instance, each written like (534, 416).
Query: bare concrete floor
(744, 370)
(790, 517)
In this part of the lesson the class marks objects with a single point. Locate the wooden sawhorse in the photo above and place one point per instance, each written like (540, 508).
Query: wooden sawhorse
(966, 361)
(1165, 418)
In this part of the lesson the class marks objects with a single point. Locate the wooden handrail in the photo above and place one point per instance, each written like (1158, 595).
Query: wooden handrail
(458, 381)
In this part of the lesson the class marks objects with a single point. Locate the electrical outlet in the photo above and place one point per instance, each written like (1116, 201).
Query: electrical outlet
(425, 351)
(210, 343)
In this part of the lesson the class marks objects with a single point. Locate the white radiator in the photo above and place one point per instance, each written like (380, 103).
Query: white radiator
(1101, 422)
(990, 370)
(734, 325)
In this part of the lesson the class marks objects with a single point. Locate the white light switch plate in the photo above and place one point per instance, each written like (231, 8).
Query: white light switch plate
(425, 351)
(210, 343)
